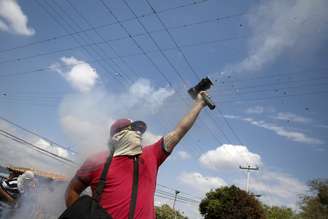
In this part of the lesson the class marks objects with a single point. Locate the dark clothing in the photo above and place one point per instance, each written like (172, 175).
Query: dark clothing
(11, 187)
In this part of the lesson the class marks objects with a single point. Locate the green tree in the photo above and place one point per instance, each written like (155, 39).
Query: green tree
(315, 204)
(166, 212)
(230, 203)
(275, 212)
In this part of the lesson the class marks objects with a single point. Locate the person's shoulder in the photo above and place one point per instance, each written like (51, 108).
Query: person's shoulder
(154, 142)
(97, 158)
(158, 143)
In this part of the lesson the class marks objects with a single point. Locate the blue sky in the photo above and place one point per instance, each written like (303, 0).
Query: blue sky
(69, 68)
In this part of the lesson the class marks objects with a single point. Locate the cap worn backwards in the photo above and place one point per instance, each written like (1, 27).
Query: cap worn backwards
(121, 124)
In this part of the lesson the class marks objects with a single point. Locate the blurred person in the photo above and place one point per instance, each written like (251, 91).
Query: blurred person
(12, 188)
(125, 137)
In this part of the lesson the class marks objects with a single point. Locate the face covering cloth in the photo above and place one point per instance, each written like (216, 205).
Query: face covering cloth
(26, 177)
(127, 142)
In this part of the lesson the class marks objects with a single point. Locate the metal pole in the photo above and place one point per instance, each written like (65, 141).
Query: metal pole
(175, 198)
(248, 168)
(247, 182)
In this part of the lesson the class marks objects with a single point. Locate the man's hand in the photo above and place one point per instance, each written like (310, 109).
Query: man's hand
(200, 99)
(172, 138)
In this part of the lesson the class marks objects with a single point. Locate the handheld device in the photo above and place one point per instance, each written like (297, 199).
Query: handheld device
(203, 85)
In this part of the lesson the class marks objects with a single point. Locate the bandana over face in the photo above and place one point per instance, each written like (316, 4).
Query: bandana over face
(24, 179)
(127, 142)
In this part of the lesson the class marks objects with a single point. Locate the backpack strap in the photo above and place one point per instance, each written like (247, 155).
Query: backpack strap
(102, 180)
(134, 193)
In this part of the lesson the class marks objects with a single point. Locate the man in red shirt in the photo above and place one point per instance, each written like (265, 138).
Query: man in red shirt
(126, 139)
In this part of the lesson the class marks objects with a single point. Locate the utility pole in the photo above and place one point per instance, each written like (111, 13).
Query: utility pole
(248, 168)
(175, 198)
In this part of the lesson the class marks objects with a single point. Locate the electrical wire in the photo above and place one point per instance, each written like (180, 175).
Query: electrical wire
(186, 197)
(53, 38)
(66, 29)
(37, 148)
(35, 134)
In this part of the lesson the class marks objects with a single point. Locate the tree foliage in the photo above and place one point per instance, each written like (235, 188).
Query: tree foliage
(166, 212)
(315, 205)
(230, 203)
(275, 212)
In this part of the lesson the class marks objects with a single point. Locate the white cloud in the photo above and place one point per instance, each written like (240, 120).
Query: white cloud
(277, 188)
(79, 74)
(291, 135)
(255, 110)
(278, 25)
(229, 157)
(183, 155)
(286, 116)
(12, 18)
(231, 116)
(322, 126)
(201, 183)
(52, 148)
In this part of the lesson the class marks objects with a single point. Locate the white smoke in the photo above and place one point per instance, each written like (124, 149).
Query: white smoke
(86, 118)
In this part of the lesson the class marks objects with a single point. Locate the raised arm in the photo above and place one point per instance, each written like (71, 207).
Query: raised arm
(173, 137)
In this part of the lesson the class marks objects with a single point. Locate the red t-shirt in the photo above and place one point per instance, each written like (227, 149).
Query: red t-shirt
(116, 195)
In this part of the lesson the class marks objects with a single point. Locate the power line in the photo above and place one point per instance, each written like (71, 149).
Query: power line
(275, 90)
(14, 137)
(103, 39)
(248, 168)
(108, 58)
(169, 198)
(87, 52)
(30, 104)
(182, 192)
(76, 25)
(276, 83)
(268, 98)
(171, 37)
(54, 38)
(156, 44)
(230, 127)
(37, 148)
(33, 133)
(229, 78)
(66, 160)
(188, 63)
(312, 84)
(275, 97)
(180, 197)
(162, 53)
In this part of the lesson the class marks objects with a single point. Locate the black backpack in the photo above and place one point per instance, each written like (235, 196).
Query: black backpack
(87, 207)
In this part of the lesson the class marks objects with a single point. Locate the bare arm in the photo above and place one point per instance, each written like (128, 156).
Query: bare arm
(173, 137)
(8, 199)
(73, 191)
